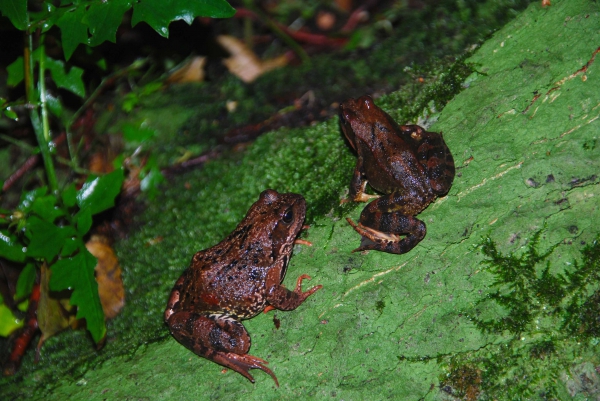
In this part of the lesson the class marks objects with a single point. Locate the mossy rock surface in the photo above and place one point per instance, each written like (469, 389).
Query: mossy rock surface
(524, 135)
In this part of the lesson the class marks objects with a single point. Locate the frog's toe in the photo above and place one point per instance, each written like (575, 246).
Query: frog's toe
(243, 363)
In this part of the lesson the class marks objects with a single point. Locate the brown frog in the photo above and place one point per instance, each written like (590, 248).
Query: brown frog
(411, 166)
(237, 279)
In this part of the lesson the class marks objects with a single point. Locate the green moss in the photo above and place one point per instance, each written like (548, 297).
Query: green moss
(535, 301)
(528, 291)
(522, 291)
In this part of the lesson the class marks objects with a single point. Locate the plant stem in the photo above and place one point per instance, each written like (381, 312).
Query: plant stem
(41, 127)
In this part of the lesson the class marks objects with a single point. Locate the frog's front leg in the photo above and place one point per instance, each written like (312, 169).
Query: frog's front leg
(281, 298)
(383, 222)
(217, 337)
(358, 185)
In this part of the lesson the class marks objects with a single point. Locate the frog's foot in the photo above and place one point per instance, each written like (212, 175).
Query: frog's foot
(289, 300)
(281, 298)
(360, 197)
(363, 197)
(298, 289)
(373, 239)
(243, 363)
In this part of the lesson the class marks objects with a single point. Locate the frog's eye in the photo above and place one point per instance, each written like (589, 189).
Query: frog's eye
(288, 216)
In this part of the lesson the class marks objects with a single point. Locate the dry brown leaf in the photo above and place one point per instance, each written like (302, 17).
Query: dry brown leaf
(192, 71)
(51, 314)
(243, 63)
(108, 276)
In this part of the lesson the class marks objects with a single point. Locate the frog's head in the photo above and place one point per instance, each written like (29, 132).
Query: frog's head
(356, 116)
(276, 221)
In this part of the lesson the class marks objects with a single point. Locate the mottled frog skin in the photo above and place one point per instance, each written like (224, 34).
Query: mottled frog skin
(237, 279)
(410, 166)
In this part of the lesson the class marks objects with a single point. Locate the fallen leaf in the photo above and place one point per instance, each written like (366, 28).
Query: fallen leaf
(108, 276)
(191, 71)
(243, 63)
(52, 315)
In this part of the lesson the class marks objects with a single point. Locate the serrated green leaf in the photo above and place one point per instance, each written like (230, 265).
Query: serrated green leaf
(27, 198)
(103, 20)
(15, 72)
(70, 81)
(73, 30)
(10, 247)
(160, 13)
(45, 207)
(45, 238)
(77, 274)
(83, 220)
(25, 281)
(46, 17)
(16, 12)
(99, 193)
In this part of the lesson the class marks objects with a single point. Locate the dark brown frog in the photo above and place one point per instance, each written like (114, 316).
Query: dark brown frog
(411, 166)
(237, 279)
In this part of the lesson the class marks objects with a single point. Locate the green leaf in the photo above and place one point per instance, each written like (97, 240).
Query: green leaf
(99, 193)
(151, 178)
(137, 133)
(70, 81)
(77, 274)
(46, 239)
(16, 12)
(25, 281)
(130, 101)
(69, 195)
(11, 114)
(83, 220)
(71, 245)
(54, 105)
(104, 18)
(8, 321)
(10, 247)
(73, 30)
(159, 13)
(16, 72)
(27, 198)
(102, 64)
(46, 208)
(47, 16)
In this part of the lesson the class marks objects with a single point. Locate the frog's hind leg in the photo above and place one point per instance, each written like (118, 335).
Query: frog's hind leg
(383, 232)
(435, 157)
(220, 338)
